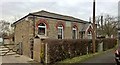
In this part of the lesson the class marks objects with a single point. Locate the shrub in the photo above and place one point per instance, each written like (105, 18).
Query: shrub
(58, 50)
(67, 48)
(109, 43)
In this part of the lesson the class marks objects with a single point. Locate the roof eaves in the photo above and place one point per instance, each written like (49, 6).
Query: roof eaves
(64, 16)
(58, 18)
(34, 14)
(19, 20)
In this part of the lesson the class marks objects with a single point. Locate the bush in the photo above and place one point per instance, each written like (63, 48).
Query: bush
(67, 48)
(109, 43)
(58, 50)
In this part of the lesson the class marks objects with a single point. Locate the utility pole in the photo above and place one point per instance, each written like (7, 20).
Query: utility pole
(102, 22)
(119, 23)
(89, 19)
(94, 28)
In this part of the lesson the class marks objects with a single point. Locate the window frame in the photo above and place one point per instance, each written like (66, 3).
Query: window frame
(89, 33)
(74, 29)
(39, 26)
(61, 27)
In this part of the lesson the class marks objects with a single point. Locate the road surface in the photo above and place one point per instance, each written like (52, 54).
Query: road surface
(16, 60)
(106, 58)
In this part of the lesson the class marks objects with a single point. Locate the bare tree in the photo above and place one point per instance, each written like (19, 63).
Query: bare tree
(4, 28)
(108, 26)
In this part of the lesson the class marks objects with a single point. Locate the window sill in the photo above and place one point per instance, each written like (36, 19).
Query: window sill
(42, 36)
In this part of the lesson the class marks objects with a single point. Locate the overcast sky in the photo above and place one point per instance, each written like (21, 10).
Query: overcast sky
(13, 10)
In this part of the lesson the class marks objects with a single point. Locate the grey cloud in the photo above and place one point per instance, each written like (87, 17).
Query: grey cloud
(82, 10)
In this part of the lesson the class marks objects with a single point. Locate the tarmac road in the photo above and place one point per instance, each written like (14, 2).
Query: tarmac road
(106, 58)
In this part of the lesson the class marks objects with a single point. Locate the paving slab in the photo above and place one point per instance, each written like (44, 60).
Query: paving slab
(16, 59)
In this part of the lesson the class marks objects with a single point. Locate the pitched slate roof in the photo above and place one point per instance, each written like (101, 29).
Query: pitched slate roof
(59, 16)
(83, 28)
(47, 14)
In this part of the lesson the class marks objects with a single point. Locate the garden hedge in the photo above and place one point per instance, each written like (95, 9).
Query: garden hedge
(58, 50)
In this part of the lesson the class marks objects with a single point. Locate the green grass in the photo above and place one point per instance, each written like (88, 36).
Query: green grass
(82, 58)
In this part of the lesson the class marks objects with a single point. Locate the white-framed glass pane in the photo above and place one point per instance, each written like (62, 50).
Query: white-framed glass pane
(41, 29)
(60, 32)
(89, 33)
(74, 31)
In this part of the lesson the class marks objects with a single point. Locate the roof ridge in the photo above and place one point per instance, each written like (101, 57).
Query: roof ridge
(57, 14)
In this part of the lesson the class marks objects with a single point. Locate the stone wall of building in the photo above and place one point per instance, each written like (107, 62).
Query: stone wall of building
(52, 30)
(37, 50)
(24, 31)
(67, 33)
(79, 27)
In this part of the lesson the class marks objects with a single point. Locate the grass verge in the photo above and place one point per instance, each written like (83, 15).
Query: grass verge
(79, 59)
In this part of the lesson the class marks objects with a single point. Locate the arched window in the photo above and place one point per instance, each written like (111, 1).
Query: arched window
(42, 29)
(60, 32)
(74, 32)
(89, 33)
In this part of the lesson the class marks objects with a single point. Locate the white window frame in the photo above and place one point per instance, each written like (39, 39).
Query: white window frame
(61, 27)
(74, 28)
(43, 27)
(90, 33)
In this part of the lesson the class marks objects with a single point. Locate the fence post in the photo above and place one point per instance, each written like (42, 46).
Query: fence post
(100, 46)
(87, 50)
(46, 57)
